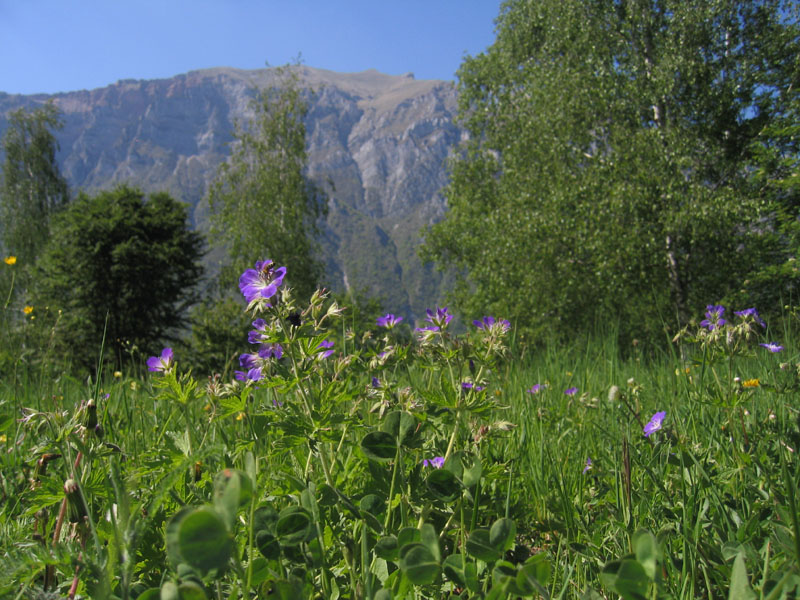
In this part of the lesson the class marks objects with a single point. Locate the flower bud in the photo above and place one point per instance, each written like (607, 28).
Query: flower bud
(613, 393)
(91, 417)
(77, 511)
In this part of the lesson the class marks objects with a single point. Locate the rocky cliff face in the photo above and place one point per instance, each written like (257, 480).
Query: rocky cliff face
(377, 143)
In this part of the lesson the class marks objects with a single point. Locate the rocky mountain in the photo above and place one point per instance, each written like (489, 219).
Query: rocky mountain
(377, 143)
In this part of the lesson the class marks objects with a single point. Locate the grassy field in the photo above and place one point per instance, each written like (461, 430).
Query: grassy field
(343, 465)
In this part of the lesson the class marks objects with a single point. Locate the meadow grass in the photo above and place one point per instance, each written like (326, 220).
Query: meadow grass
(319, 480)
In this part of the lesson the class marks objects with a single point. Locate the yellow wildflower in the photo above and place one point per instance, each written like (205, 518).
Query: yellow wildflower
(117, 374)
(27, 310)
(240, 416)
(133, 385)
(750, 383)
(10, 260)
(3, 439)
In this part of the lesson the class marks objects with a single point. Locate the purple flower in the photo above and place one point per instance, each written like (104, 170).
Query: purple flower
(271, 351)
(588, 465)
(488, 323)
(772, 347)
(751, 312)
(376, 383)
(253, 374)
(323, 347)
(655, 423)
(571, 391)
(388, 321)
(468, 385)
(437, 462)
(160, 363)
(713, 318)
(439, 318)
(537, 388)
(256, 336)
(248, 361)
(261, 282)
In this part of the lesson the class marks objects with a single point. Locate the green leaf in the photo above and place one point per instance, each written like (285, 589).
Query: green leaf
(501, 535)
(430, 539)
(534, 575)
(740, 586)
(327, 496)
(645, 547)
(453, 567)
(264, 518)
(443, 485)
(480, 546)
(626, 577)
(472, 475)
(504, 575)
(233, 490)
(190, 590)
(171, 535)
(408, 535)
(379, 445)
(260, 568)
(268, 545)
(387, 548)
(293, 526)
(169, 591)
(373, 504)
(204, 541)
(419, 565)
(403, 426)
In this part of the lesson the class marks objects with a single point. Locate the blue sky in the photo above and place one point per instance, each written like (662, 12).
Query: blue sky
(62, 45)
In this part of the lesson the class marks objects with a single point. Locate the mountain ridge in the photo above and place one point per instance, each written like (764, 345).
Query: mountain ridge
(382, 141)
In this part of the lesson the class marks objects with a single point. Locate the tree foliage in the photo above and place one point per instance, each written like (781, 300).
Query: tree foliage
(262, 204)
(607, 173)
(124, 256)
(31, 186)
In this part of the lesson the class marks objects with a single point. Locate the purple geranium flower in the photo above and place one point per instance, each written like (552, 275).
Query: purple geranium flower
(256, 336)
(439, 318)
(436, 462)
(488, 323)
(772, 347)
(261, 282)
(253, 374)
(751, 312)
(324, 349)
(536, 388)
(160, 363)
(468, 385)
(248, 361)
(571, 391)
(270, 351)
(388, 321)
(655, 423)
(713, 318)
(588, 465)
